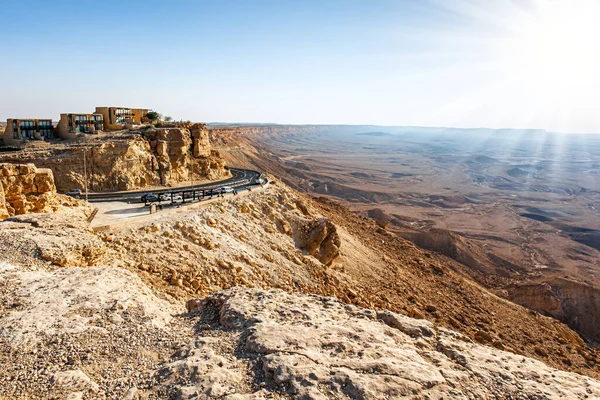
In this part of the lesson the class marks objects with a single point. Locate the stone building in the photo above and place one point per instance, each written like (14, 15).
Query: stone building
(72, 124)
(122, 115)
(20, 130)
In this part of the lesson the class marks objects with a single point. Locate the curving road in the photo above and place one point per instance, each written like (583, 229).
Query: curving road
(241, 178)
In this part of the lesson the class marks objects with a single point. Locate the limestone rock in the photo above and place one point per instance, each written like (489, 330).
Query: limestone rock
(122, 162)
(209, 375)
(161, 148)
(44, 180)
(62, 239)
(27, 189)
(315, 347)
(74, 380)
(53, 299)
(201, 146)
(319, 238)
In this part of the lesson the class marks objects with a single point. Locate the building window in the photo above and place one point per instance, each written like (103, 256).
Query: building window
(27, 134)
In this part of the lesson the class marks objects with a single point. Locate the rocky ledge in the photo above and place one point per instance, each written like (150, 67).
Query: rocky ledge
(99, 332)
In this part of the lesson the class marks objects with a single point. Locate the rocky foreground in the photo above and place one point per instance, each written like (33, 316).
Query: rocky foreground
(100, 332)
(268, 294)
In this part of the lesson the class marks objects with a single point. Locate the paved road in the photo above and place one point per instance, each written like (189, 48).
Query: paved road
(240, 178)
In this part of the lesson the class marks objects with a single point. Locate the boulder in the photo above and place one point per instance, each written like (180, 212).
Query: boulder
(319, 238)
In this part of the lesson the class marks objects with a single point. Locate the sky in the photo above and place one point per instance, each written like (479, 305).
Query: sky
(459, 63)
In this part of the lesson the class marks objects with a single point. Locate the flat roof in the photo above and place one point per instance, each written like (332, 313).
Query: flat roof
(80, 114)
(130, 108)
(29, 119)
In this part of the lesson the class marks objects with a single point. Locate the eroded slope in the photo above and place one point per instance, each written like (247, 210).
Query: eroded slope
(122, 330)
(251, 241)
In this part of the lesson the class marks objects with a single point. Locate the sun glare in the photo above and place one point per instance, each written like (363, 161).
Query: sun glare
(557, 46)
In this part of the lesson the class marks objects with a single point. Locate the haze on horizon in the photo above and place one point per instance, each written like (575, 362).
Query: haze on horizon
(504, 64)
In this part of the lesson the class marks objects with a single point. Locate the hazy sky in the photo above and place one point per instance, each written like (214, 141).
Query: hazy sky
(518, 64)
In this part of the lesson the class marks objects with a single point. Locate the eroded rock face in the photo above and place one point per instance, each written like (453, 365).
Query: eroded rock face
(27, 189)
(130, 161)
(171, 148)
(440, 240)
(575, 303)
(122, 164)
(175, 161)
(200, 136)
(319, 238)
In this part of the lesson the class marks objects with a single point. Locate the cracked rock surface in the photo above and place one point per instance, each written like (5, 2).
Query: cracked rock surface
(99, 332)
(317, 348)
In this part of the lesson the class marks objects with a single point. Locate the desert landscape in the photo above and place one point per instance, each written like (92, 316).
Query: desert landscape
(357, 200)
(322, 302)
(517, 209)
(436, 258)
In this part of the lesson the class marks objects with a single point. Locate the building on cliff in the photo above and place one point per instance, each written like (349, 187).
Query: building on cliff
(71, 124)
(20, 130)
(123, 115)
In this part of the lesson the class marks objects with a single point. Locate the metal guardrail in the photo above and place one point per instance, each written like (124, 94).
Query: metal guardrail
(104, 197)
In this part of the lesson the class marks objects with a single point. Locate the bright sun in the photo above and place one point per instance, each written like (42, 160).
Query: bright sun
(557, 45)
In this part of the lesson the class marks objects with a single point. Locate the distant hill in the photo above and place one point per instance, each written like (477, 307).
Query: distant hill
(486, 160)
(374, 134)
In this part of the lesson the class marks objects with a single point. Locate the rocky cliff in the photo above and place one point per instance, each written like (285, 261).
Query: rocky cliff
(178, 151)
(26, 189)
(129, 161)
(575, 303)
(359, 313)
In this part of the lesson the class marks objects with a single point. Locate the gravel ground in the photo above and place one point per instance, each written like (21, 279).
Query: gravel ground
(125, 354)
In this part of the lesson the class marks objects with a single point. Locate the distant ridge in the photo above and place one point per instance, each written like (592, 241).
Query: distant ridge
(374, 134)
